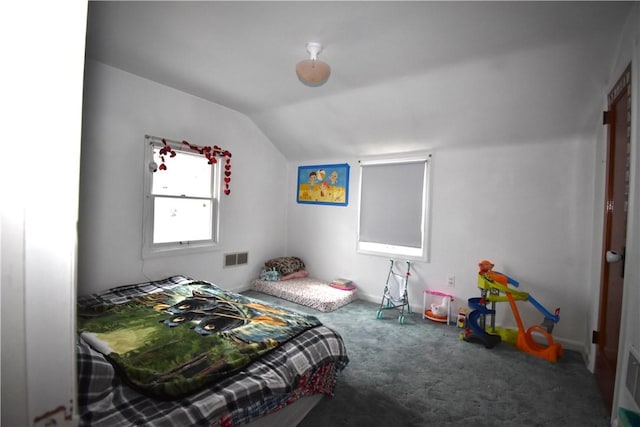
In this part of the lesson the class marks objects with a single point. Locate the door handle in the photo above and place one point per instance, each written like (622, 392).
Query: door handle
(613, 256)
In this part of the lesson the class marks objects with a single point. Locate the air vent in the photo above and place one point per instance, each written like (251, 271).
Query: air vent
(633, 376)
(239, 258)
(242, 258)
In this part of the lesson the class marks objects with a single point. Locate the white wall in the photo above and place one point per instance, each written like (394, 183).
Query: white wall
(119, 110)
(527, 208)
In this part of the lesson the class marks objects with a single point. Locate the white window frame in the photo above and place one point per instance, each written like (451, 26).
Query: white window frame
(150, 249)
(392, 250)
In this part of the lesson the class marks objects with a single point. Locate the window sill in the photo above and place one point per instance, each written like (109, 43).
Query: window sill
(390, 251)
(178, 250)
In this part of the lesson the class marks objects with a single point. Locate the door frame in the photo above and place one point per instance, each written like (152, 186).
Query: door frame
(623, 83)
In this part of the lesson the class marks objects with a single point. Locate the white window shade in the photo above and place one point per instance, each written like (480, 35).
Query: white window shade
(393, 207)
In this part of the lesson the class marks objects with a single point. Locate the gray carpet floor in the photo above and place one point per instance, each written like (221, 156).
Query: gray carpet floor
(421, 373)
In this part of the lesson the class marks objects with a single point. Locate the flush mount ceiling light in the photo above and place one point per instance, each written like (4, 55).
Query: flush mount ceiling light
(312, 71)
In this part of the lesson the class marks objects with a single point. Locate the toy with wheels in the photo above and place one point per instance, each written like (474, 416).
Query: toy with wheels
(395, 295)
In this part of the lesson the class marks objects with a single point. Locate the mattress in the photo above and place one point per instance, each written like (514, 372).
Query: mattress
(307, 291)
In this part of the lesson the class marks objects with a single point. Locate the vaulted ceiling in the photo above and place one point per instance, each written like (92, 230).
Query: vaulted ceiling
(405, 76)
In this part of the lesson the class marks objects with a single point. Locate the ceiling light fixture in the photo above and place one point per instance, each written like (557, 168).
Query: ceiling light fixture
(312, 71)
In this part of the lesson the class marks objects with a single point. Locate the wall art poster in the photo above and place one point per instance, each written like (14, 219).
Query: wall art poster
(324, 184)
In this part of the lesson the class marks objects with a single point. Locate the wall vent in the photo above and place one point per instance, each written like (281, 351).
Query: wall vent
(633, 376)
(239, 258)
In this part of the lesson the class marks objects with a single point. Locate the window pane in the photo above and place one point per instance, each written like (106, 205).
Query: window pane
(391, 204)
(187, 174)
(181, 219)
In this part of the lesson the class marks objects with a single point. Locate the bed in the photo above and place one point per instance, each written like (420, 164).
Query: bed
(141, 360)
(287, 278)
(307, 291)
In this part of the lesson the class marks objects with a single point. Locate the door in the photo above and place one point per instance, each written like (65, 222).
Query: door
(618, 121)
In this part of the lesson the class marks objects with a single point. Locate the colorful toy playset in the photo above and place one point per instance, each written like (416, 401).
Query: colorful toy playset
(498, 287)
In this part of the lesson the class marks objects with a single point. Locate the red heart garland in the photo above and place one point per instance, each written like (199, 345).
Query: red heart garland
(209, 152)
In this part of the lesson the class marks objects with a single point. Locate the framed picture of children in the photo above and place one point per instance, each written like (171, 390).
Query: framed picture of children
(324, 184)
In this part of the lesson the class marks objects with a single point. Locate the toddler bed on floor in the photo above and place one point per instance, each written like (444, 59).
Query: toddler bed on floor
(186, 352)
(287, 278)
(307, 291)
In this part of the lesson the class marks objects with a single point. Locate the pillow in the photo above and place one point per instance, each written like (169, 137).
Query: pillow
(269, 275)
(285, 265)
(96, 375)
(295, 275)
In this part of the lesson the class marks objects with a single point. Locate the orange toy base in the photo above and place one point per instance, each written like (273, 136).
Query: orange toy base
(431, 316)
(526, 343)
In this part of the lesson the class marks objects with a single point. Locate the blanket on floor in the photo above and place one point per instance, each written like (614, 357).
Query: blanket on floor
(171, 338)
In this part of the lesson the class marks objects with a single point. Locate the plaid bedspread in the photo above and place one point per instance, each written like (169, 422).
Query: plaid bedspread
(307, 364)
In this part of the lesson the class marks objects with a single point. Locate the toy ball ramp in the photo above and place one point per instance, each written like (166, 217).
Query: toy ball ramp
(498, 287)
(525, 341)
(476, 332)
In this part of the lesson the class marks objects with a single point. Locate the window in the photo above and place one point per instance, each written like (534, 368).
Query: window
(181, 203)
(393, 208)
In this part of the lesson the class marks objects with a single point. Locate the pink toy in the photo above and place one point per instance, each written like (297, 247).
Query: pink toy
(437, 313)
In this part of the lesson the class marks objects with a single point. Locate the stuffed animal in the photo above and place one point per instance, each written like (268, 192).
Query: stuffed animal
(440, 310)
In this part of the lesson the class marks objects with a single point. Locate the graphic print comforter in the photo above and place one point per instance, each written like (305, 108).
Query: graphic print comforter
(174, 337)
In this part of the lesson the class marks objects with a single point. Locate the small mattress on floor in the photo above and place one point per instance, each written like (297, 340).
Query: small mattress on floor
(306, 291)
